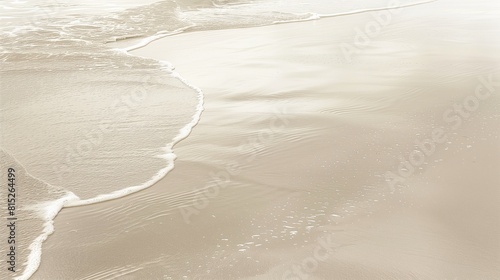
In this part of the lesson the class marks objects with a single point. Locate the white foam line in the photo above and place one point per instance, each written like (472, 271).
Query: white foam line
(315, 16)
(50, 210)
(376, 9)
(146, 41)
(169, 155)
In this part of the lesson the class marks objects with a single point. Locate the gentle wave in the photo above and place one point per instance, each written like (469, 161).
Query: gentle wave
(56, 39)
(40, 205)
(169, 155)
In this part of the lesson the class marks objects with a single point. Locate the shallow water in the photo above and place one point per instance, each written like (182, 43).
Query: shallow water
(94, 123)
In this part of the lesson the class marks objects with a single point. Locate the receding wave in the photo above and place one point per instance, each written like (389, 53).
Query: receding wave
(37, 204)
(86, 121)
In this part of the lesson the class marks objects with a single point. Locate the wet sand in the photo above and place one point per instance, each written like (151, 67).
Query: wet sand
(305, 165)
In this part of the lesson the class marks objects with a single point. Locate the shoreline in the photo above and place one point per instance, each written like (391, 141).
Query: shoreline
(145, 41)
(204, 152)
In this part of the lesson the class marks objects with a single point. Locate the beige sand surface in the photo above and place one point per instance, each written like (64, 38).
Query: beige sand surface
(284, 176)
